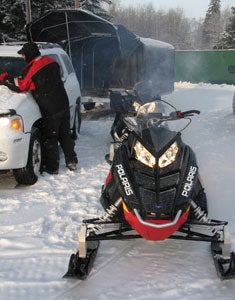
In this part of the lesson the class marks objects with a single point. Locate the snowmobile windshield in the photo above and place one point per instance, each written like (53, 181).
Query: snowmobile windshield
(145, 90)
(157, 113)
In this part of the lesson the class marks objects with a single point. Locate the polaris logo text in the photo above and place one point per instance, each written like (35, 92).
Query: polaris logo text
(121, 139)
(189, 181)
(124, 180)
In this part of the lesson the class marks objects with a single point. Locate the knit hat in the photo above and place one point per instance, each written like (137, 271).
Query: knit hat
(30, 50)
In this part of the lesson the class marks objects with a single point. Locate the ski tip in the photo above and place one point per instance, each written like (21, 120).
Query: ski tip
(80, 267)
(225, 266)
(76, 265)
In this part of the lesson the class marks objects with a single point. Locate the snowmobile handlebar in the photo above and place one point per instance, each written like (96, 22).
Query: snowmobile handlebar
(178, 114)
(190, 112)
(158, 118)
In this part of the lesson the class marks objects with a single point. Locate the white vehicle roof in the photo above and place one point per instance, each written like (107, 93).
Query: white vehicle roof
(11, 49)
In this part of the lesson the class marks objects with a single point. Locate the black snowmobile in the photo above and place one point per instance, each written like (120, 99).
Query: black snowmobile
(153, 189)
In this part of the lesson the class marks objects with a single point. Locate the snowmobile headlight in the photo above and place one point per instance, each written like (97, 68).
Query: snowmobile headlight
(144, 109)
(168, 156)
(143, 155)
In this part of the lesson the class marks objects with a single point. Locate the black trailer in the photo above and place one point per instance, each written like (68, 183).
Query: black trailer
(105, 55)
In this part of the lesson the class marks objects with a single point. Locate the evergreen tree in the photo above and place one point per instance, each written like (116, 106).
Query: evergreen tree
(40, 7)
(227, 40)
(212, 25)
(97, 7)
(13, 18)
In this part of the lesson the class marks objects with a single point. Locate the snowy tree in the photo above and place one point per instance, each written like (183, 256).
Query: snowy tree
(169, 26)
(13, 17)
(40, 7)
(97, 7)
(227, 40)
(212, 25)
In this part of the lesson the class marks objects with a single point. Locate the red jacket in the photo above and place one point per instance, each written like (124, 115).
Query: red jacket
(42, 77)
(24, 81)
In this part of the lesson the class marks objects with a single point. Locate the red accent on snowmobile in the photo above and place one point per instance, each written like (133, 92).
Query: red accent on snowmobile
(150, 233)
(108, 178)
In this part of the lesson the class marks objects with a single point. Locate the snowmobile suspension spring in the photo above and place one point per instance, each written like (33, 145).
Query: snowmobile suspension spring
(202, 216)
(109, 213)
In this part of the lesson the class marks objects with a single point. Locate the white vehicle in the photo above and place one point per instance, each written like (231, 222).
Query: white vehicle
(20, 117)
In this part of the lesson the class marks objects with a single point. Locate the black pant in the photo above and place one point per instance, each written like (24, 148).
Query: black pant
(56, 129)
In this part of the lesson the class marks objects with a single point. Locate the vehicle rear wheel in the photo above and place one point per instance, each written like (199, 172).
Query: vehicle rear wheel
(29, 174)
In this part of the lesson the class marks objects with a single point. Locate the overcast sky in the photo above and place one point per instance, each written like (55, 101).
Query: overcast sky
(192, 8)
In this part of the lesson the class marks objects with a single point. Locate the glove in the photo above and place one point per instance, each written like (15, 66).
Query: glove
(8, 81)
(3, 76)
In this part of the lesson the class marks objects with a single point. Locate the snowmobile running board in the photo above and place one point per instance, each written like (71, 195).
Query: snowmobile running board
(81, 263)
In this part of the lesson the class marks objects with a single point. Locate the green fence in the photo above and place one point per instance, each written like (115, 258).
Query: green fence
(210, 66)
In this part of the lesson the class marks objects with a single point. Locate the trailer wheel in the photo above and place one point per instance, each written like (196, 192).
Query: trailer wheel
(29, 174)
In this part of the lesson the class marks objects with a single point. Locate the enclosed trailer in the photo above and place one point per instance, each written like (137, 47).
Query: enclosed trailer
(105, 55)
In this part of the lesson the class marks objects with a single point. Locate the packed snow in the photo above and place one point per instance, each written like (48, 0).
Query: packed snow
(39, 224)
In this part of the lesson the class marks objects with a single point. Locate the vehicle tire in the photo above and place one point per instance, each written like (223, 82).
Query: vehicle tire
(29, 174)
(234, 103)
(77, 122)
(89, 105)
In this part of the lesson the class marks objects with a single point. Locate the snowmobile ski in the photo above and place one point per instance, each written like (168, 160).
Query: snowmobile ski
(80, 267)
(225, 265)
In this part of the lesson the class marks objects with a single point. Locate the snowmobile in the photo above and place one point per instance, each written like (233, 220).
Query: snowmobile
(153, 189)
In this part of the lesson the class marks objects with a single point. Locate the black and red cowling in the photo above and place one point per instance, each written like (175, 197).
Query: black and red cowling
(155, 201)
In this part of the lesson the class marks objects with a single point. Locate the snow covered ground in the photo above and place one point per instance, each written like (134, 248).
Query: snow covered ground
(39, 224)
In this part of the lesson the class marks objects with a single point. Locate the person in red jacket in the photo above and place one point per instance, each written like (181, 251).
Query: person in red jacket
(42, 77)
